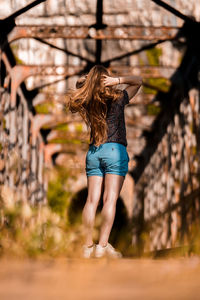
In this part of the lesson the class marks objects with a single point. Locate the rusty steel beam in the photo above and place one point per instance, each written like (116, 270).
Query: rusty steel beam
(59, 99)
(127, 32)
(49, 70)
(20, 72)
(49, 150)
(139, 99)
(145, 71)
(49, 98)
(53, 148)
(50, 121)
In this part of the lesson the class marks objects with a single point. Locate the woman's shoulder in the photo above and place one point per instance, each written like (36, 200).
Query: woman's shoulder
(124, 98)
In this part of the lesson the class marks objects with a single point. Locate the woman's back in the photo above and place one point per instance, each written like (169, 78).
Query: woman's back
(116, 130)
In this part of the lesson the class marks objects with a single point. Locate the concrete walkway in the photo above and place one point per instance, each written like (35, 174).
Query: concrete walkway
(96, 279)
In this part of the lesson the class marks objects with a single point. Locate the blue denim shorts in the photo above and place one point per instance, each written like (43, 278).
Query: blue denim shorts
(108, 158)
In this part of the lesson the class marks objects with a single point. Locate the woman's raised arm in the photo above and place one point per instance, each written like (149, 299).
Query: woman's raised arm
(134, 83)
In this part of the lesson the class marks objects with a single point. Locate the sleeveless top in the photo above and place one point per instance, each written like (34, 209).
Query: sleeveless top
(115, 120)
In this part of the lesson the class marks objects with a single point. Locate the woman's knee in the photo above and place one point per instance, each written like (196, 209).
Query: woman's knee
(110, 198)
(109, 204)
(92, 200)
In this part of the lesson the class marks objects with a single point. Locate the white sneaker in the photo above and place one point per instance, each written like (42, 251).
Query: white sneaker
(87, 251)
(108, 250)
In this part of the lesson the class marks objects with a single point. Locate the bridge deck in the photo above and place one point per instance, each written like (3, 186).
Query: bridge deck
(100, 279)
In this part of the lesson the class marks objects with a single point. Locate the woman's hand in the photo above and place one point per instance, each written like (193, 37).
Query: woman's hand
(109, 81)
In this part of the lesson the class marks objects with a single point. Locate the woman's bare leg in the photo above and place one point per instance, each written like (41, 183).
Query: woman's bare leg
(95, 184)
(113, 185)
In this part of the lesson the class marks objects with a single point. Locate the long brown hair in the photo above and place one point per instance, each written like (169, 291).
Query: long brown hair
(91, 100)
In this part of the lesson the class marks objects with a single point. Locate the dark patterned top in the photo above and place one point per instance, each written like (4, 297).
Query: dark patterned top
(115, 120)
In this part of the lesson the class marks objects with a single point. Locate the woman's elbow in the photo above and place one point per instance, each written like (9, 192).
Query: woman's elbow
(140, 81)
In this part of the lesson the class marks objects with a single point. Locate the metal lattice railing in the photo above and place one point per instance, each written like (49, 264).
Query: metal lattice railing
(22, 151)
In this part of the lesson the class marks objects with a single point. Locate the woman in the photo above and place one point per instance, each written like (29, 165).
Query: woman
(102, 108)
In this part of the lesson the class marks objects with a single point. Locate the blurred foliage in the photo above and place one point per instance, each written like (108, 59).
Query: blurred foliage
(153, 56)
(32, 231)
(66, 141)
(44, 108)
(57, 194)
(153, 110)
(4, 123)
(148, 90)
(27, 230)
(62, 126)
(161, 84)
(55, 229)
(79, 128)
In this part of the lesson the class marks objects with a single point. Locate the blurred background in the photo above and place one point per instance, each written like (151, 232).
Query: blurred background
(45, 47)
